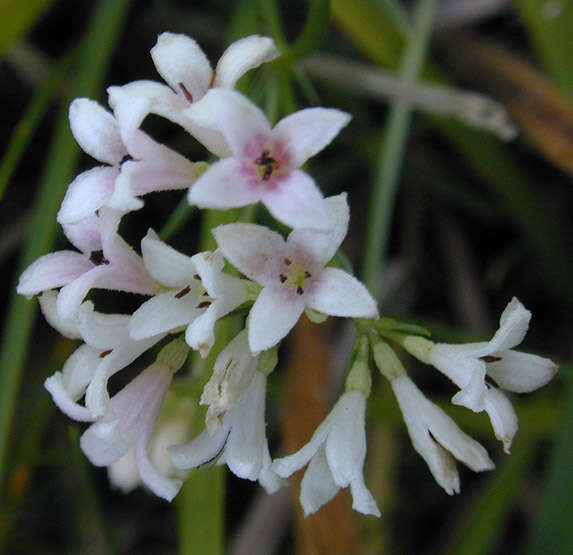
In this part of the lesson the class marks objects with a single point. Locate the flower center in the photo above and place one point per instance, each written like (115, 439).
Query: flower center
(295, 276)
(267, 165)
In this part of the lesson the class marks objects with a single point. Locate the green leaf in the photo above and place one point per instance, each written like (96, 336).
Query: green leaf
(17, 18)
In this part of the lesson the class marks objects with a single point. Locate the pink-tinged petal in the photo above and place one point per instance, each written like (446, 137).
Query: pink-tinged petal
(339, 294)
(96, 131)
(296, 201)
(52, 270)
(253, 249)
(307, 132)
(222, 186)
(133, 102)
(182, 64)
(162, 313)
(67, 327)
(319, 245)
(273, 315)
(244, 126)
(85, 234)
(513, 326)
(87, 193)
(71, 295)
(166, 265)
(241, 56)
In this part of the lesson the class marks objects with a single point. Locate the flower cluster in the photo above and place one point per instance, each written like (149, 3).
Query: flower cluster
(141, 433)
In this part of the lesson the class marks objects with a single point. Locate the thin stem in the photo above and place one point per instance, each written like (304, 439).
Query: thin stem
(393, 148)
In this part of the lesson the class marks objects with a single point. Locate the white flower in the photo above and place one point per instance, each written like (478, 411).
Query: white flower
(106, 261)
(293, 275)
(198, 294)
(240, 442)
(437, 437)
(108, 348)
(128, 424)
(265, 163)
(184, 66)
(336, 452)
(468, 365)
(136, 167)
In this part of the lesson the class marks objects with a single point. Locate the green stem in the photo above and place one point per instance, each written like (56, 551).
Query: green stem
(393, 148)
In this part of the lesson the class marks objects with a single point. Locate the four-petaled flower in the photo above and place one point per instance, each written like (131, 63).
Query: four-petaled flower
(293, 275)
(469, 366)
(265, 162)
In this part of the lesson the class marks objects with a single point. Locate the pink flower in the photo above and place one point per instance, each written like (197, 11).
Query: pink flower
(264, 165)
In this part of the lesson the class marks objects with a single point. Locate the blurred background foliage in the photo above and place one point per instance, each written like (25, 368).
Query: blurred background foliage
(448, 222)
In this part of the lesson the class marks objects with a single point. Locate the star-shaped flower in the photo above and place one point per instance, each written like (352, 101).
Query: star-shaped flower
(437, 437)
(336, 452)
(469, 365)
(198, 294)
(187, 71)
(293, 275)
(136, 167)
(265, 163)
(106, 261)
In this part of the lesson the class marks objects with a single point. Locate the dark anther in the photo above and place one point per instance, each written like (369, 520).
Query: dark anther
(97, 258)
(269, 163)
(288, 261)
(187, 94)
(197, 277)
(490, 358)
(126, 158)
(204, 304)
(299, 290)
(282, 278)
(214, 74)
(307, 274)
(183, 292)
(105, 353)
(204, 294)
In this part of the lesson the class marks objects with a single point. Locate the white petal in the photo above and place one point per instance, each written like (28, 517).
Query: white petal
(51, 271)
(502, 416)
(472, 394)
(162, 313)
(180, 61)
(317, 487)
(270, 481)
(85, 234)
(123, 474)
(61, 397)
(96, 131)
(166, 265)
(222, 187)
(67, 327)
(521, 372)
(241, 56)
(362, 499)
(296, 201)
(72, 295)
(273, 315)
(513, 326)
(323, 246)
(87, 193)
(102, 331)
(253, 249)
(337, 293)
(241, 122)
(346, 443)
(307, 132)
(202, 450)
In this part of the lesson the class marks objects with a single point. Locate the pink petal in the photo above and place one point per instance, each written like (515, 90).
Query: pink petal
(96, 131)
(273, 315)
(337, 293)
(253, 249)
(241, 56)
(85, 234)
(296, 201)
(222, 186)
(87, 193)
(52, 270)
(308, 131)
